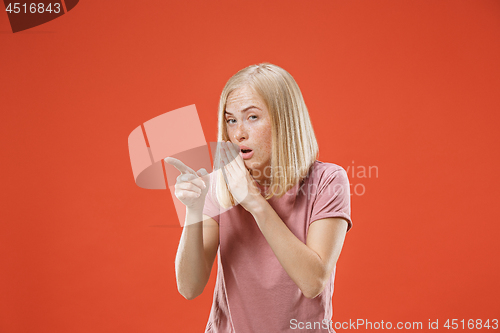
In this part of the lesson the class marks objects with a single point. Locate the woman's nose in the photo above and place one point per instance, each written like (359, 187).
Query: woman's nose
(240, 133)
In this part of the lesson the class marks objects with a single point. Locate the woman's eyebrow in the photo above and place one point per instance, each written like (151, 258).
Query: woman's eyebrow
(244, 110)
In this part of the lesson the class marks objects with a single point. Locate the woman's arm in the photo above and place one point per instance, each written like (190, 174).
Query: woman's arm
(308, 265)
(200, 236)
(196, 253)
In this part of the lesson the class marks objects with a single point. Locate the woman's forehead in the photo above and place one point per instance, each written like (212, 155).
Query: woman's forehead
(241, 99)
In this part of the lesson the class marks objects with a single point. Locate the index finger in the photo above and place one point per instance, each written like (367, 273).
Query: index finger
(184, 169)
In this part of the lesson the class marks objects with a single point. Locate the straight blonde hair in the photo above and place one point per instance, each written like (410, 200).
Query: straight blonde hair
(294, 147)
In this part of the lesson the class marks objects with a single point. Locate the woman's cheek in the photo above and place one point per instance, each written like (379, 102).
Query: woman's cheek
(268, 140)
(267, 151)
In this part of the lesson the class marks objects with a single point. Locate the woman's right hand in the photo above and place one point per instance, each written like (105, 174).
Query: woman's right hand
(192, 186)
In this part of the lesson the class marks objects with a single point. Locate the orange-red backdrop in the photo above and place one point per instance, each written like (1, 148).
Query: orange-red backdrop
(408, 87)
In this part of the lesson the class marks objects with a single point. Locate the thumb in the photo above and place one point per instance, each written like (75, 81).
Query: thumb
(204, 175)
(202, 172)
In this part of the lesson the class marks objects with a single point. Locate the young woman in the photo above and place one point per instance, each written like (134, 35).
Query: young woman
(275, 215)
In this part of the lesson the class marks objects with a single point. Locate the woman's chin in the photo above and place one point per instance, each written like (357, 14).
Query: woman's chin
(250, 165)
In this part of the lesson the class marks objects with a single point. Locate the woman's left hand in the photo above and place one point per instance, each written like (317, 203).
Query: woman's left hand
(241, 184)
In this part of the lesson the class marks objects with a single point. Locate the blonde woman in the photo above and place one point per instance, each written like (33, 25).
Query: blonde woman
(275, 215)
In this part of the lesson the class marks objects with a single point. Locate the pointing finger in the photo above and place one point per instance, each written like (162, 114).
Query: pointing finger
(184, 169)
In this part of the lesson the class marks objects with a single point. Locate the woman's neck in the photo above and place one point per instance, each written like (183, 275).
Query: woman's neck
(262, 181)
(266, 183)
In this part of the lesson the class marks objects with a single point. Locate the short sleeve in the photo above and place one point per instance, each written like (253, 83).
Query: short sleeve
(211, 208)
(333, 198)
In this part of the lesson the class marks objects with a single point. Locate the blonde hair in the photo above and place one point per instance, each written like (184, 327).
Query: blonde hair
(294, 146)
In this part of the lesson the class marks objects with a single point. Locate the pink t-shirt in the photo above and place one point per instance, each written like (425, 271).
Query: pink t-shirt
(253, 293)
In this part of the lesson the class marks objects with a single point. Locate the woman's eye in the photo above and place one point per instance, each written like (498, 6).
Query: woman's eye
(253, 116)
(228, 121)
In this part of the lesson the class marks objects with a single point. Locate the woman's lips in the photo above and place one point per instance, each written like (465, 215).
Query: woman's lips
(246, 156)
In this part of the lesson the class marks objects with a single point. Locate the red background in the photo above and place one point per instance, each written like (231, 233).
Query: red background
(410, 87)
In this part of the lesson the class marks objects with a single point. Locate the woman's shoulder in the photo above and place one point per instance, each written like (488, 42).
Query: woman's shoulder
(324, 174)
(321, 169)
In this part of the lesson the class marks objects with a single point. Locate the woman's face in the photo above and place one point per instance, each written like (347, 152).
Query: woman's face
(249, 126)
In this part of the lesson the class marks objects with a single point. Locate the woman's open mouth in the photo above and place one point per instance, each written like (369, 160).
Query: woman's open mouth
(246, 153)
